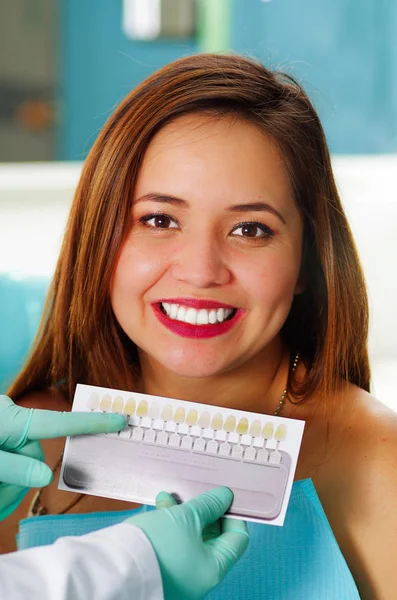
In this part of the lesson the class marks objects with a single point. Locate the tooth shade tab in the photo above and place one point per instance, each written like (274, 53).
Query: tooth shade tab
(192, 417)
(230, 424)
(130, 406)
(204, 420)
(255, 429)
(194, 316)
(217, 422)
(154, 411)
(118, 404)
(281, 433)
(142, 409)
(105, 403)
(242, 426)
(267, 431)
(179, 416)
(93, 401)
(167, 413)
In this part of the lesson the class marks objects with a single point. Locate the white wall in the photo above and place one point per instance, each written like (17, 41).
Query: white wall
(35, 199)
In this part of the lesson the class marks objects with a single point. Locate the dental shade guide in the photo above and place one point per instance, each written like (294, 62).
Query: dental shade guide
(184, 448)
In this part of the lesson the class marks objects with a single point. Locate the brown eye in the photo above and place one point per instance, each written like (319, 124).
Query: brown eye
(253, 230)
(250, 230)
(159, 221)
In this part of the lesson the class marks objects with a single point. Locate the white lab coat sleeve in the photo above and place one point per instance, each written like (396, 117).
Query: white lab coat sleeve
(117, 562)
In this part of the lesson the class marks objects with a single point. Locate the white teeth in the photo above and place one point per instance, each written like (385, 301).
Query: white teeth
(181, 314)
(196, 317)
(191, 316)
(212, 316)
(202, 317)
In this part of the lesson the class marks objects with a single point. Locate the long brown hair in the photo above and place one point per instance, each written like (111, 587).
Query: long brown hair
(79, 339)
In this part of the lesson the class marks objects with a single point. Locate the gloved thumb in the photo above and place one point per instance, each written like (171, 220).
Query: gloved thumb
(212, 505)
(165, 500)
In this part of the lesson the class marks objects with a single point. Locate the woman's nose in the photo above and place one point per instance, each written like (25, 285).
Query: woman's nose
(201, 263)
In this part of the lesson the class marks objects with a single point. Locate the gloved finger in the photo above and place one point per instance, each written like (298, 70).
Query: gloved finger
(46, 424)
(222, 526)
(210, 506)
(228, 549)
(10, 498)
(23, 471)
(234, 525)
(165, 500)
(14, 422)
(32, 449)
(212, 531)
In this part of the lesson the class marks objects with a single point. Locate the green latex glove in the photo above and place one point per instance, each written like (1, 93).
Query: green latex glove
(195, 548)
(21, 456)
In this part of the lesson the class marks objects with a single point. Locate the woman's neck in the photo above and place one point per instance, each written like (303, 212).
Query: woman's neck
(255, 386)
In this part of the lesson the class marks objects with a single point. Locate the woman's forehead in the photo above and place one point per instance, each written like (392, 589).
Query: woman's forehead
(226, 155)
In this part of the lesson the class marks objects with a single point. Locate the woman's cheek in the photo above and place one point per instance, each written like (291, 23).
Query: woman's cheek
(138, 268)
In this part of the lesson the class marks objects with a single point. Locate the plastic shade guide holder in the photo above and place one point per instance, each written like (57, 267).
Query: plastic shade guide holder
(185, 449)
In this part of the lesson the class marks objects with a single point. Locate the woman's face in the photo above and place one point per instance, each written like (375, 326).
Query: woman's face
(208, 272)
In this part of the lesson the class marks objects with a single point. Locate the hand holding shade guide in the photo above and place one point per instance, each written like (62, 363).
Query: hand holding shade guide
(184, 448)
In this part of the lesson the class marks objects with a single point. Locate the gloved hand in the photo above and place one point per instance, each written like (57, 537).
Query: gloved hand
(195, 548)
(21, 457)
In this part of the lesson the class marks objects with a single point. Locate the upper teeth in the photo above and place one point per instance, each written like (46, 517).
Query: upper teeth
(194, 316)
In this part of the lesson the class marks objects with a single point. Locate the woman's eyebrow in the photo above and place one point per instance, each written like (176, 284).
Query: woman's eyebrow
(258, 207)
(252, 206)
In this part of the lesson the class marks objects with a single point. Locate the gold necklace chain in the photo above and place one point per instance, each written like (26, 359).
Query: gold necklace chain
(285, 393)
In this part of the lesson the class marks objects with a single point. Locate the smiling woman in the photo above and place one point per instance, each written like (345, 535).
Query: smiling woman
(208, 258)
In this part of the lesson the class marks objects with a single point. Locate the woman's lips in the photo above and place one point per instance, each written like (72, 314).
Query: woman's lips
(197, 331)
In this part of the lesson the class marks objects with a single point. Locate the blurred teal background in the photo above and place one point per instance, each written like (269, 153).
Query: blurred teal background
(66, 64)
(343, 51)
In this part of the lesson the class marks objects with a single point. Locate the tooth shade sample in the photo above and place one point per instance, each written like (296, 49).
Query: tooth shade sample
(118, 403)
(267, 431)
(230, 424)
(204, 420)
(142, 409)
(154, 411)
(192, 417)
(281, 433)
(106, 403)
(217, 422)
(255, 429)
(130, 406)
(242, 426)
(167, 413)
(180, 414)
(93, 401)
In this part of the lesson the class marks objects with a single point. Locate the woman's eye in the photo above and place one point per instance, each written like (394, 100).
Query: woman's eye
(253, 230)
(159, 221)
